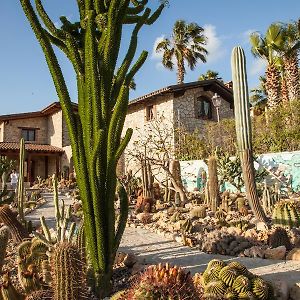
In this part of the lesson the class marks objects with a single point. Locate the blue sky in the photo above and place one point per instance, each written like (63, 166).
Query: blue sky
(27, 86)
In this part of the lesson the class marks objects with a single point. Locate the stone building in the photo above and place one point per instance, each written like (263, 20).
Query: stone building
(46, 138)
(187, 105)
(47, 143)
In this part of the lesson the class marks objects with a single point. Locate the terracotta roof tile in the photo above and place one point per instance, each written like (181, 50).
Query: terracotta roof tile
(30, 147)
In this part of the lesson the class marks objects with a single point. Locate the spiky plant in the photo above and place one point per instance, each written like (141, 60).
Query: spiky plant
(280, 237)
(243, 129)
(163, 282)
(213, 183)
(4, 234)
(103, 80)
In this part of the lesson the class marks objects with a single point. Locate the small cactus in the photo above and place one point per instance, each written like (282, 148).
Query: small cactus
(68, 273)
(198, 212)
(280, 237)
(17, 230)
(213, 183)
(4, 234)
(163, 282)
(286, 214)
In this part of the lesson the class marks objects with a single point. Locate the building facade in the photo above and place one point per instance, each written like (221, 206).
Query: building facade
(46, 137)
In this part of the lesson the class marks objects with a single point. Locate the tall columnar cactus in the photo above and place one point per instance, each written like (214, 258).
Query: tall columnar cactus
(20, 192)
(243, 129)
(214, 196)
(92, 45)
(8, 217)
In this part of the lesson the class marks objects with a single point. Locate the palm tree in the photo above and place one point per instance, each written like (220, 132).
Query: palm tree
(258, 97)
(186, 45)
(264, 47)
(210, 75)
(289, 51)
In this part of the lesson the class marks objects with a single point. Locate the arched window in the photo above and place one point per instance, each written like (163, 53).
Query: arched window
(203, 108)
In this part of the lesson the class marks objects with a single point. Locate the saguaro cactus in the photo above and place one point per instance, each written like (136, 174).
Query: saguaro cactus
(103, 78)
(243, 128)
(20, 193)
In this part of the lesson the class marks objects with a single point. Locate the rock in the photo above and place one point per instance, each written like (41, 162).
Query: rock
(261, 226)
(295, 291)
(129, 260)
(156, 216)
(137, 268)
(234, 230)
(255, 251)
(275, 253)
(250, 233)
(281, 290)
(294, 254)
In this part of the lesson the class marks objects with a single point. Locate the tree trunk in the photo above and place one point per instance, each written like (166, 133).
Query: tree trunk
(292, 77)
(273, 86)
(176, 180)
(180, 72)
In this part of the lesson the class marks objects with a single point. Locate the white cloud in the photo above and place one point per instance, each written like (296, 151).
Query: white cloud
(214, 44)
(257, 66)
(157, 55)
(246, 35)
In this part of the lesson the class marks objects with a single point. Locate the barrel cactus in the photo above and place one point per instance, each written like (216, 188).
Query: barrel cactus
(233, 281)
(280, 237)
(4, 234)
(163, 282)
(286, 214)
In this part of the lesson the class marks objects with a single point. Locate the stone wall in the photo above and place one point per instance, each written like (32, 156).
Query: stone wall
(13, 130)
(55, 129)
(136, 119)
(1, 131)
(185, 110)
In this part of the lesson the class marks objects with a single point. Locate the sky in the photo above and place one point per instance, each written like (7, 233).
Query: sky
(25, 82)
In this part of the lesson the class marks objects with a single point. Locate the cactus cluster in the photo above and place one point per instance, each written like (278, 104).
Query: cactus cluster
(222, 242)
(163, 282)
(198, 212)
(286, 214)
(233, 281)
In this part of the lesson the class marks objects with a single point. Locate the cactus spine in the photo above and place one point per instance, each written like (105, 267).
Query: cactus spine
(214, 196)
(243, 128)
(21, 191)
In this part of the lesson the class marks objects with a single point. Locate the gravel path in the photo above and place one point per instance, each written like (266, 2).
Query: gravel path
(155, 248)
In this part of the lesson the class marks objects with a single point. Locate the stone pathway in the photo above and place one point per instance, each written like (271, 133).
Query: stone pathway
(155, 248)
(47, 210)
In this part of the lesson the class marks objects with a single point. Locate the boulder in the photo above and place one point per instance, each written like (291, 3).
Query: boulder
(261, 226)
(295, 291)
(294, 254)
(255, 251)
(275, 253)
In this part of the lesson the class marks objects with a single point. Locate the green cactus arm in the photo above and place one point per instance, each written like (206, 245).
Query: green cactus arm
(45, 229)
(72, 230)
(74, 55)
(130, 54)
(124, 143)
(136, 67)
(21, 181)
(81, 8)
(124, 208)
(155, 15)
(60, 34)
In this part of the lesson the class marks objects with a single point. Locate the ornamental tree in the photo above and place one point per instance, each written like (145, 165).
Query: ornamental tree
(103, 80)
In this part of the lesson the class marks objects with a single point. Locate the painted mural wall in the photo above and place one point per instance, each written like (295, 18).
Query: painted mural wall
(283, 168)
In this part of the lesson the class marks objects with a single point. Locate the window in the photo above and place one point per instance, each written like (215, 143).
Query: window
(28, 135)
(203, 108)
(149, 112)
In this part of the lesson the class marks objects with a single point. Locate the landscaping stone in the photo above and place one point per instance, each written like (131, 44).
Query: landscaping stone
(294, 254)
(275, 253)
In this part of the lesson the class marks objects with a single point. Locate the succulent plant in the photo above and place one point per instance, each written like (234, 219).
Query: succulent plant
(4, 235)
(68, 276)
(244, 211)
(40, 295)
(234, 282)
(240, 202)
(280, 237)
(163, 282)
(214, 196)
(8, 217)
(8, 291)
(186, 226)
(198, 212)
(286, 214)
